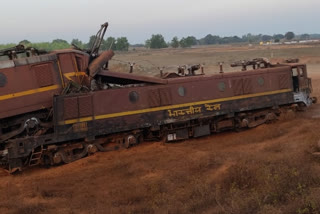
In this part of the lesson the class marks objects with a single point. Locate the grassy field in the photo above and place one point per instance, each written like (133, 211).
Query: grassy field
(267, 170)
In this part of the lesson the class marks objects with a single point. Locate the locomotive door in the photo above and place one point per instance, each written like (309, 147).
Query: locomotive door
(295, 79)
(303, 80)
(299, 77)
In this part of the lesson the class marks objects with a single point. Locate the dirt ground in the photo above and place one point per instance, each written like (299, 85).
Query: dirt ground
(268, 169)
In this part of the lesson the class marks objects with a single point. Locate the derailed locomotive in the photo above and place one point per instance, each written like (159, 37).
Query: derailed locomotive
(61, 106)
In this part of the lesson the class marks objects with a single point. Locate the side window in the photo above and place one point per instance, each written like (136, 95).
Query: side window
(3, 80)
(221, 86)
(182, 91)
(260, 81)
(294, 72)
(133, 97)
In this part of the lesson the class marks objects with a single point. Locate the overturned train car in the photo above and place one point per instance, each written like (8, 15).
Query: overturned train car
(53, 111)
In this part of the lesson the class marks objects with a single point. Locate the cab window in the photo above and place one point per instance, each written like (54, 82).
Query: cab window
(294, 72)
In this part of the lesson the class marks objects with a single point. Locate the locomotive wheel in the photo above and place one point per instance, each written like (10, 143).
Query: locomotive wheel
(57, 158)
(92, 148)
(314, 100)
(129, 140)
(270, 117)
(69, 154)
(301, 107)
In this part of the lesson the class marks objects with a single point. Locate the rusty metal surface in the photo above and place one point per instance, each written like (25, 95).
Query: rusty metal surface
(97, 64)
(21, 94)
(165, 96)
(194, 89)
(29, 84)
(127, 78)
(70, 110)
(255, 63)
(94, 50)
(85, 106)
(247, 85)
(70, 50)
(44, 75)
(138, 121)
(237, 86)
(27, 61)
(154, 98)
(35, 59)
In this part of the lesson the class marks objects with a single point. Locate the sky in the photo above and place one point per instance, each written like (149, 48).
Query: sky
(45, 20)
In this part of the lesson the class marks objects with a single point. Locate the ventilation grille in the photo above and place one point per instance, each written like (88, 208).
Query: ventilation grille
(284, 81)
(154, 98)
(237, 87)
(165, 96)
(85, 106)
(75, 107)
(43, 75)
(71, 108)
(247, 86)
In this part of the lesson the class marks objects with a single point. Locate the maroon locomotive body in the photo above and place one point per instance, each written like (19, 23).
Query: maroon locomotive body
(28, 84)
(61, 106)
(213, 103)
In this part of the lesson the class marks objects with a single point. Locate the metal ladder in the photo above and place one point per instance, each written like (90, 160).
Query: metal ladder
(35, 156)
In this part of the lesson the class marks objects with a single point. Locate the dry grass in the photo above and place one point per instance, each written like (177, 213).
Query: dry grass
(148, 61)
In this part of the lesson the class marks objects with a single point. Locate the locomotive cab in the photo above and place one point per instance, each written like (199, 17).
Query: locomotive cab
(300, 79)
(302, 86)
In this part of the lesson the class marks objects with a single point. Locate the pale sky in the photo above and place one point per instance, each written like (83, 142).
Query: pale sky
(45, 20)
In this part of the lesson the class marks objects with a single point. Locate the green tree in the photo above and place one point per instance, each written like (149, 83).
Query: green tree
(78, 43)
(45, 46)
(157, 41)
(251, 38)
(91, 41)
(25, 42)
(266, 38)
(192, 40)
(289, 35)
(59, 44)
(278, 37)
(5, 46)
(122, 44)
(109, 43)
(188, 42)
(147, 43)
(175, 42)
(210, 40)
(231, 39)
(183, 43)
(60, 41)
(305, 36)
